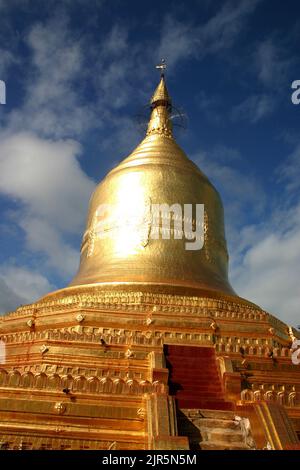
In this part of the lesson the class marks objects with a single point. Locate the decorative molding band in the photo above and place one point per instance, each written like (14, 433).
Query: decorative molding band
(93, 385)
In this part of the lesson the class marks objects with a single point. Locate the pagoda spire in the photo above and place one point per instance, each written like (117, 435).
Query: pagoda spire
(160, 102)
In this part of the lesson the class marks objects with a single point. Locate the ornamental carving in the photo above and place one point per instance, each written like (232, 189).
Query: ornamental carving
(141, 413)
(79, 383)
(60, 408)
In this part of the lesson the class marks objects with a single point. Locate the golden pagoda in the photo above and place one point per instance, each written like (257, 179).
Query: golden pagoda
(149, 347)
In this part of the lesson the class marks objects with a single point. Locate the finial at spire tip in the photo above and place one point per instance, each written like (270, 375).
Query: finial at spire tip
(160, 102)
(162, 67)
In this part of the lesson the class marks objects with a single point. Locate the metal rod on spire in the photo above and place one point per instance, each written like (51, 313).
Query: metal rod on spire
(162, 67)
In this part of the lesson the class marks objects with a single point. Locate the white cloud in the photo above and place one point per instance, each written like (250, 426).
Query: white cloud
(222, 29)
(6, 59)
(181, 40)
(289, 171)
(264, 253)
(9, 299)
(52, 104)
(19, 285)
(178, 41)
(44, 176)
(269, 273)
(42, 237)
(39, 166)
(116, 65)
(241, 192)
(271, 63)
(254, 108)
(39, 163)
(210, 106)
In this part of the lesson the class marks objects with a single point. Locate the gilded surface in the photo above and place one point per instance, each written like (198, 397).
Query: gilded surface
(84, 367)
(156, 172)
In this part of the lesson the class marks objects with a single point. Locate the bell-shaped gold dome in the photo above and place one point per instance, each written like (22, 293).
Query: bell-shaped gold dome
(118, 246)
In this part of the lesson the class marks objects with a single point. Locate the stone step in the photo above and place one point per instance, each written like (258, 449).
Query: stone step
(227, 436)
(221, 446)
(208, 413)
(211, 429)
(211, 423)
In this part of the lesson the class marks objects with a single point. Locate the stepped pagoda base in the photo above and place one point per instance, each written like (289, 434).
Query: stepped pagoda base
(99, 368)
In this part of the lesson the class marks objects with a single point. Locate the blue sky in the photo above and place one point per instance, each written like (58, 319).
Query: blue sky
(77, 73)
